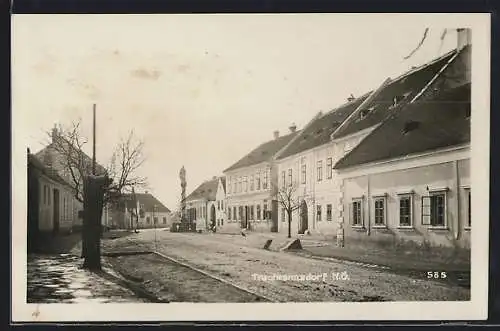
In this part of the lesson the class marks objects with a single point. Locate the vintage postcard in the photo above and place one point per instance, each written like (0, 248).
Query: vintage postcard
(250, 167)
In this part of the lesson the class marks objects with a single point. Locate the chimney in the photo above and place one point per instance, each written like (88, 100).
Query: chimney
(293, 128)
(351, 98)
(464, 37)
(276, 134)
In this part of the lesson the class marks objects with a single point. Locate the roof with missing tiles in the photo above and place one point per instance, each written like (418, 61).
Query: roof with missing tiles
(427, 125)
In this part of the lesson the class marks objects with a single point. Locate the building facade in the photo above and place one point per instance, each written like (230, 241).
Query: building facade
(205, 205)
(308, 162)
(251, 187)
(411, 180)
(51, 157)
(52, 206)
(152, 212)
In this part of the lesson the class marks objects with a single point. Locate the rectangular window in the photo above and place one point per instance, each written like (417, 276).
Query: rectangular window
(264, 182)
(329, 168)
(357, 215)
(283, 214)
(222, 205)
(303, 173)
(155, 219)
(252, 212)
(329, 212)
(379, 209)
(257, 178)
(258, 212)
(148, 220)
(283, 182)
(264, 214)
(235, 188)
(240, 185)
(320, 170)
(434, 209)
(290, 177)
(405, 210)
(251, 183)
(218, 205)
(229, 185)
(235, 215)
(229, 213)
(164, 220)
(318, 213)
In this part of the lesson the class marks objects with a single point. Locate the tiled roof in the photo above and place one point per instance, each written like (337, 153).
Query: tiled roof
(207, 190)
(148, 200)
(403, 88)
(264, 152)
(319, 131)
(33, 161)
(423, 126)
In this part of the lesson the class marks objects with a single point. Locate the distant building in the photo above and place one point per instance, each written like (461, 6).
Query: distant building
(52, 207)
(251, 187)
(206, 204)
(152, 213)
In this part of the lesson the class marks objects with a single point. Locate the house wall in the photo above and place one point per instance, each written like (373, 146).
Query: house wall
(314, 192)
(419, 176)
(202, 213)
(68, 205)
(220, 205)
(147, 222)
(248, 197)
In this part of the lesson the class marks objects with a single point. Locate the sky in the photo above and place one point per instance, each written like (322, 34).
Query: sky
(201, 90)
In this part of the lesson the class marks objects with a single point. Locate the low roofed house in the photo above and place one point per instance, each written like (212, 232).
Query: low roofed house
(203, 205)
(152, 212)
(251, 182)
(55, 156)
(411, 179)
(52, 207)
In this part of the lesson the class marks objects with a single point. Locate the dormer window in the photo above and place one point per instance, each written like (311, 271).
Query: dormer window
(363, 113)
(410, 126)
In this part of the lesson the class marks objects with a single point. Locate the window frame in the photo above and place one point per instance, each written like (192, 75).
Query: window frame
(401, 196)
(319, 210)
(303, 171)
(283, 179)
(257, 178)
(432, 194)
(319, 170)
(329, 168)
(329, 212)
(375, 199)
(251, 183)
(357, 200)
(290, 176)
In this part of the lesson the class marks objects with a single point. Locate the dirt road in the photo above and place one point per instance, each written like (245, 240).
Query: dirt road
(287, 277)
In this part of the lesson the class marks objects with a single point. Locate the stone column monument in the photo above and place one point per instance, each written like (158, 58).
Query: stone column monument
(182, 176)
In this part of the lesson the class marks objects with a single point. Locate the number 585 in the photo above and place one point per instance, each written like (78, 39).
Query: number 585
(436, 274)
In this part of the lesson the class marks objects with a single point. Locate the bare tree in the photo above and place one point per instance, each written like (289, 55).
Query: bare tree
(288, 199)
(75, 166)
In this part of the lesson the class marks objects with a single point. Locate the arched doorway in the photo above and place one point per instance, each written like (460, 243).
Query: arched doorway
(212, 216)
(303, 224)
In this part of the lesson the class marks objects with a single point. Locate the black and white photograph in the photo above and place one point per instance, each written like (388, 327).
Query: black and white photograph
(250, 167)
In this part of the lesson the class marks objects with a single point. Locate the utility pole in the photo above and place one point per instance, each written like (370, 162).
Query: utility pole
(93, 144)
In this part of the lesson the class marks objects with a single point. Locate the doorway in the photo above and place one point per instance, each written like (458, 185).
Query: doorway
(303, 218)
(56, 211)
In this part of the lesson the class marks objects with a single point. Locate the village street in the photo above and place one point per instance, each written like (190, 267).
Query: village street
(228, 257)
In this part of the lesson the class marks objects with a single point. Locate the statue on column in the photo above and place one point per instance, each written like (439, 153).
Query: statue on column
(182, 176)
